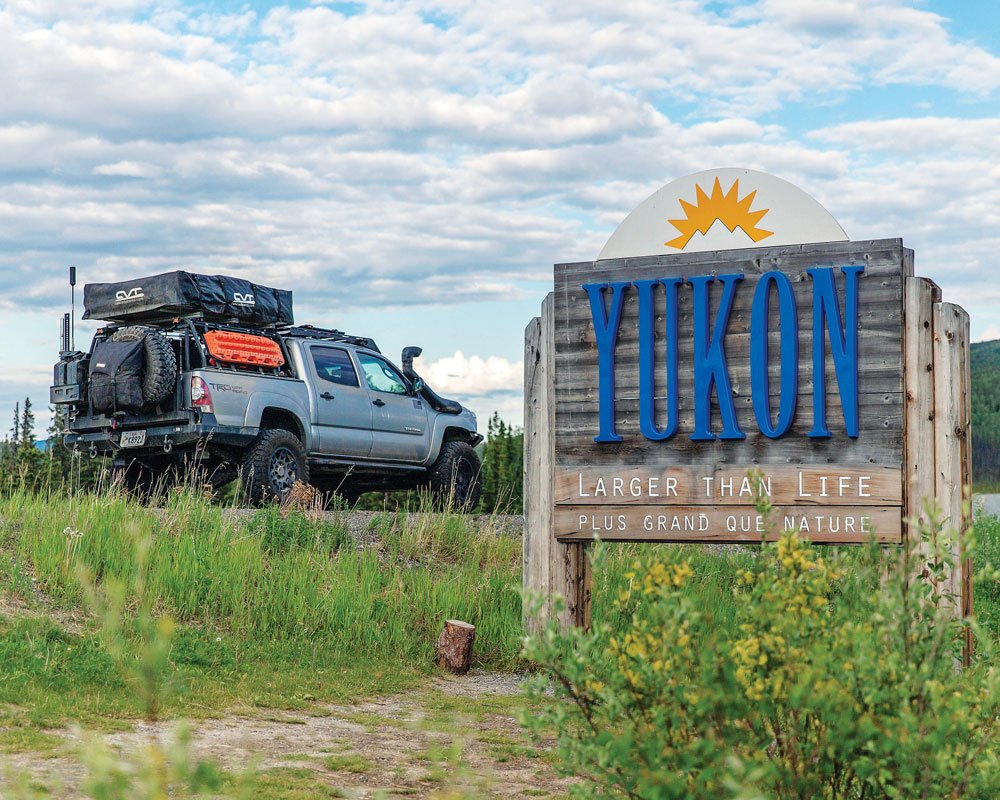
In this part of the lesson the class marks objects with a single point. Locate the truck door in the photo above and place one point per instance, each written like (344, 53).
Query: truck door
(399, 424)
(342, 407)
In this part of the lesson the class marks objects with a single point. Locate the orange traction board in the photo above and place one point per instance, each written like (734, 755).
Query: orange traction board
(231, 347)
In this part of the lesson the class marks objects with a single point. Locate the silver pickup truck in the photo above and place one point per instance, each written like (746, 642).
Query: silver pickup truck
(320, 407)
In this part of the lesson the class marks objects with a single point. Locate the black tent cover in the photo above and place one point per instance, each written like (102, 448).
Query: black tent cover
(217, 298)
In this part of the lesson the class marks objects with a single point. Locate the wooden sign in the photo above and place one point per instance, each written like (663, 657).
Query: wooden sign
(677, 376)
(731, 344)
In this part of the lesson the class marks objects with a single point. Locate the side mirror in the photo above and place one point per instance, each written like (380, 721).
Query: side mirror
(418, 385)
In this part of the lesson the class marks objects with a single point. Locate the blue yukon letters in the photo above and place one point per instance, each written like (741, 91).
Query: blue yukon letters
(843, 345)
(647, 366)
(710, 369)
(606, 322)
(710, 361)
(789, 323)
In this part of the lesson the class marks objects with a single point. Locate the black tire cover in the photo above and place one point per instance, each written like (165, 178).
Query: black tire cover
(161, 364)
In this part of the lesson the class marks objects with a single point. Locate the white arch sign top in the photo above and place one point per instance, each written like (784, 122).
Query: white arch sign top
(722, 209)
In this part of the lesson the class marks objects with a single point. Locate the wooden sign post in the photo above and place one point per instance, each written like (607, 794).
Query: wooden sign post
(664, 392)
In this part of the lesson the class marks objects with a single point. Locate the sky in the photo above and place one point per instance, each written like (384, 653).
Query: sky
(413, 169)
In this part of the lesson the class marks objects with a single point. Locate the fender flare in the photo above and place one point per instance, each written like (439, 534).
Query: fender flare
(262, 400)
(439, 434)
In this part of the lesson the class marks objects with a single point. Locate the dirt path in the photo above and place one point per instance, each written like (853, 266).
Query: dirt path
(455, 737)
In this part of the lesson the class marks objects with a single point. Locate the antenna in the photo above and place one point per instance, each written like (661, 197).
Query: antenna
(72, 306)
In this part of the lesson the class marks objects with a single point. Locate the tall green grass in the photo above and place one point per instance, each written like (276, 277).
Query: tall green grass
(287, 581)
(278, 576)
(986, 595)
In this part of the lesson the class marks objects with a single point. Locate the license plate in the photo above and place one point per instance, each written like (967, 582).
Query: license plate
(133, 438)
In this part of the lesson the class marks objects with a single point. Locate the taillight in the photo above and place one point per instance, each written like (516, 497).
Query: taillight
(201, 397)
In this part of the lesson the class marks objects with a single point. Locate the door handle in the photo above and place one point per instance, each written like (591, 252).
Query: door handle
(378, 403)
(327, 396)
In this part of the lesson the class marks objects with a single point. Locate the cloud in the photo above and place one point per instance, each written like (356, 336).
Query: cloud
(445, 153)
(473, 376)
(129, 169)
(919, 135)
(988, 334)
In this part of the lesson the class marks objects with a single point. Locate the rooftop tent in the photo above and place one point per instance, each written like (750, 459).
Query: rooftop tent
(216, 298)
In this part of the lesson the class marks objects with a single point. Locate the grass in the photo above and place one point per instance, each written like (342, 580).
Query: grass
(280, 611)
(277, 610)
(283, 579)
(351, 762)
(986, 593)
(17, 737)
(55, 677)
(274, 610)
(292, 783)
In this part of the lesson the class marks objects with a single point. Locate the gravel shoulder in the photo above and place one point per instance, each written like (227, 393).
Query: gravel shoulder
(455, 736)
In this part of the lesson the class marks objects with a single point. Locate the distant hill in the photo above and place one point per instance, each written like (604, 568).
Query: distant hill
(985, 358)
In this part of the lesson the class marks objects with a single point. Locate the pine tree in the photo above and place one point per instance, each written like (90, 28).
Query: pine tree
(8, 452)
(503, 461)
(27, 437)
(29, 458)
(60, 457)
(491, 466)
(15, 431)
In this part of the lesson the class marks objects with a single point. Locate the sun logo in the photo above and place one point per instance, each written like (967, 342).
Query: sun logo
(727, 208)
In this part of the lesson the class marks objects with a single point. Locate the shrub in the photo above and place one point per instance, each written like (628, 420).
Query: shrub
(838, 680)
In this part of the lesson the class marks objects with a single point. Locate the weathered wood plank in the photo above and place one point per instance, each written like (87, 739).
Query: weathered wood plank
(538, 463)
(578, 584)
(550, 567)
(950, 435)
(920, 296)
(760, 259)
(879, 376)
(682, 523)
(687, 485)
(585, 408)
(965, 424)
(880, 442)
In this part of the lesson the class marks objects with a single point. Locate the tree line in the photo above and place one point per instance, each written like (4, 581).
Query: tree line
(27, 461)
(985, 389)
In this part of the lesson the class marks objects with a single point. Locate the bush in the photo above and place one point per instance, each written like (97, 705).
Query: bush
(837, 679)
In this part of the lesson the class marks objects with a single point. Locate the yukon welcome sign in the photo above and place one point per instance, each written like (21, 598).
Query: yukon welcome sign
(677, 376)
(731, 344)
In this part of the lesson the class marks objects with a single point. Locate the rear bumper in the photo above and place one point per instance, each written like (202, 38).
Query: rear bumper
(163, 438)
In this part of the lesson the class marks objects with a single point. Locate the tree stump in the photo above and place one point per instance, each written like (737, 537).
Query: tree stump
(454, 646)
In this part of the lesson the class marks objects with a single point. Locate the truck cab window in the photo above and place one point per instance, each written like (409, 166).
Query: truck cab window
(381, 376)
(334, 365)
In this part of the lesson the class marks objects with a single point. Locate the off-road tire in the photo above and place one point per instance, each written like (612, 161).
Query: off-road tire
(456, 476)
(272, 465)
(161, 364)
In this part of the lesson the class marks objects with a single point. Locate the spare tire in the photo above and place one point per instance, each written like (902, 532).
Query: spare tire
(160, 374)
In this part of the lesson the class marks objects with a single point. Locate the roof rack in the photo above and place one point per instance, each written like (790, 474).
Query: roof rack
(327, 335)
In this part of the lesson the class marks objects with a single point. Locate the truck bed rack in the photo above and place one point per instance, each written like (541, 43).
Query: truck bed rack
(327, 335)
